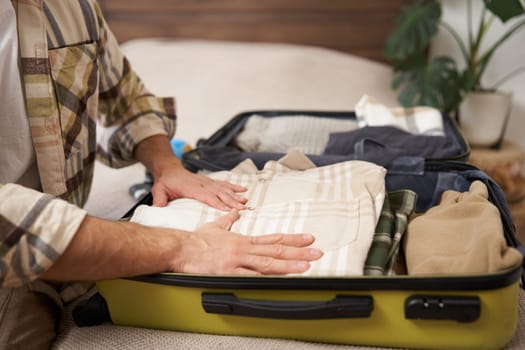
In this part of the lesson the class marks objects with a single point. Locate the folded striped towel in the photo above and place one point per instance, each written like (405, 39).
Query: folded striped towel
(309, 134)
(416, 120)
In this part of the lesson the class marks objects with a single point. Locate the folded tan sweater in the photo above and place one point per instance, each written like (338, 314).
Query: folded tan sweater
(461, 235)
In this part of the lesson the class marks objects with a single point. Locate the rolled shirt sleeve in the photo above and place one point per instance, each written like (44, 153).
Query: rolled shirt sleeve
(35, 229)
(129, 113)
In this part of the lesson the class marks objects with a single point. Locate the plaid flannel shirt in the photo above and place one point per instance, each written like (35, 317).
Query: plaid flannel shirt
(390, 229)
(74, 76)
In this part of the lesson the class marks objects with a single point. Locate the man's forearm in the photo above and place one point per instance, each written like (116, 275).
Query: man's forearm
(155, 153)
(104, 249)
(107, 249)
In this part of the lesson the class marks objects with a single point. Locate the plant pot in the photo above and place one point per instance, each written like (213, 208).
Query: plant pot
(483, 117)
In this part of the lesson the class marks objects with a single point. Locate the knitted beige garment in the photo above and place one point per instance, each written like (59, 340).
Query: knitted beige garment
(461, 235)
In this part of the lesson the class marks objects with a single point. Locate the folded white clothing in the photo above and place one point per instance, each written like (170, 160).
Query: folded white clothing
(308, 133)
(339, 204)
(416, 120)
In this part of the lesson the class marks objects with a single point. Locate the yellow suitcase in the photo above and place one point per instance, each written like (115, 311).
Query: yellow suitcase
(432, 312)
(462, 312)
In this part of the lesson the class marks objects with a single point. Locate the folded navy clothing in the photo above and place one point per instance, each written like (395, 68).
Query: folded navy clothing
(401, 153)
(215, 158)
(394, 140)
(402, 173)
(225, 158)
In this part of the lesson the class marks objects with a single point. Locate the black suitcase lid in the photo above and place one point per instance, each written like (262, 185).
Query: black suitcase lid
(218, 151)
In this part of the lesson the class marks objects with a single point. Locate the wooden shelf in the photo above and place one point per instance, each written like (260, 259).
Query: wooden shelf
(352, 26)
(506, 166)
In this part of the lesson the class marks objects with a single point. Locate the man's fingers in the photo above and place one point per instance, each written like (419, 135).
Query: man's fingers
(231, 200)
(160, 198)
(234, 187)
(287, 253)
(226, 221)
(213, 201)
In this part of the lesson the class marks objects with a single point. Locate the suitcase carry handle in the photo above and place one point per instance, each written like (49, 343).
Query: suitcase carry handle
(342, 306)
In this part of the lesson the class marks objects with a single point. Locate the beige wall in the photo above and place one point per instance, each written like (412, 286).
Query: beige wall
(508, 57)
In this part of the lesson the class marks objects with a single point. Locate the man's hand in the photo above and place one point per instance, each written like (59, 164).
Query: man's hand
(215, 250)
(172, 180)
(177, 182)
(104, 249)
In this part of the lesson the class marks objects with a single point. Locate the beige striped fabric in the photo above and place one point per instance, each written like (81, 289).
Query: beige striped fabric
(339, 204)
(416, 120)
(310, 134)
(74, 76)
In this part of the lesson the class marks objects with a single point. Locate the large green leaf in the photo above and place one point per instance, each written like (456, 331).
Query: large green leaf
(415, 27)
(436, 83)
(505, 9)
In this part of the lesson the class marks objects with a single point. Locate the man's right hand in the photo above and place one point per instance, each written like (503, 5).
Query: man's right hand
(103, 249)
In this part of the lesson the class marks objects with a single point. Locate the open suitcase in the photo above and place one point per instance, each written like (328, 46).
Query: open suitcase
(435, 312)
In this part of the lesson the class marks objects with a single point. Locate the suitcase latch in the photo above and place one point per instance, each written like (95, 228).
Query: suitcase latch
(435, 307)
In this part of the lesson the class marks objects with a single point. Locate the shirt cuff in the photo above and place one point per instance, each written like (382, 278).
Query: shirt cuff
(38, 229)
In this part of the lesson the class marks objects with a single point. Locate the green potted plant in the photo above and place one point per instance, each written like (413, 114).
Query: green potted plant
(438, 82)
